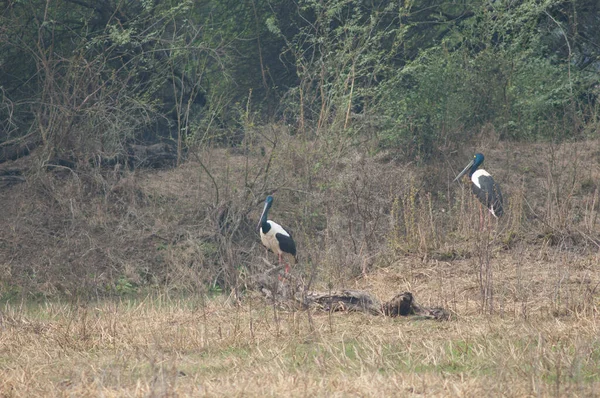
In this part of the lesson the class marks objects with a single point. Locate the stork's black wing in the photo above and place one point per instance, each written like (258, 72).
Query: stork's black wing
(286, 244)
(489, 194)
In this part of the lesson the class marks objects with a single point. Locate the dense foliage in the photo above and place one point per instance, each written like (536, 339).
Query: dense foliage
(82, 78)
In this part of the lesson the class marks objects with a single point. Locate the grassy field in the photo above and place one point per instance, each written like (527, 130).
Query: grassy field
(121, 283)
(543, 343)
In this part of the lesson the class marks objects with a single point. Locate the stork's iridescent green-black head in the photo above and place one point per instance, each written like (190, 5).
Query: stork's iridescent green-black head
(472, 166)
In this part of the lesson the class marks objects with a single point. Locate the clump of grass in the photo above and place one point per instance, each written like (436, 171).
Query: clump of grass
(414, 223)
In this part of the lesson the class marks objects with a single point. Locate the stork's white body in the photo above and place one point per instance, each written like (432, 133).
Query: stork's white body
(479, 173)
(487, 191)
(269, 240)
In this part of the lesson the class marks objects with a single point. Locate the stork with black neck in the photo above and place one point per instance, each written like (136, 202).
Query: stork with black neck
(484, 187)
(274, 237)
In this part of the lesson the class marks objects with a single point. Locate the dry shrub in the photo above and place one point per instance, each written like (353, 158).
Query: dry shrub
(525, 306)
(98, 231)
(70, 232)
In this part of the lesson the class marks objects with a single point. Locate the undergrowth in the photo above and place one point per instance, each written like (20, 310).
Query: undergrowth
(104, 232)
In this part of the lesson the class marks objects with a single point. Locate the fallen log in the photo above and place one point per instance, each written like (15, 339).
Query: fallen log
(291, 294)
(342, 300)
(403, 304)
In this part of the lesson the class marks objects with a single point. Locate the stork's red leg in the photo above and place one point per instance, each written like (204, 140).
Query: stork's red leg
(287, 266)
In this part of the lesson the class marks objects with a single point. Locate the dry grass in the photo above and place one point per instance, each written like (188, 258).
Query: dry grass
(543, 341)
(80, 250)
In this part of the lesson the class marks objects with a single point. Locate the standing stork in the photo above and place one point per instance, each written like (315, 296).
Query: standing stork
(484, 187)
(274, 237)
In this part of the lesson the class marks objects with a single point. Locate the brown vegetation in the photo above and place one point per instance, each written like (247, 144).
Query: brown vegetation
(166, 347)
(94, 242)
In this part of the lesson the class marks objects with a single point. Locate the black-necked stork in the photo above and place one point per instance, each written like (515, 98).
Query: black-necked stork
(484, 186)
(274, 237)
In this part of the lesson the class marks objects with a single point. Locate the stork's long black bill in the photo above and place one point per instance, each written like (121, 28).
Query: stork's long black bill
(462, 173)
(263, 216)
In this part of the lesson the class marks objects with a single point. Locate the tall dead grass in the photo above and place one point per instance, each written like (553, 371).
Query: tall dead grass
(192, 229)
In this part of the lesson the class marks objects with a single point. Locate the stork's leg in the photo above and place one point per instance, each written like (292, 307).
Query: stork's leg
(485, 219)
(279, 275)
(287, 265)
(480, 218)
(491, 223)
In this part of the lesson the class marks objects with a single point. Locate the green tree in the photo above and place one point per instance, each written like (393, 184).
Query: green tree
(84, 77)
(500, 63)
